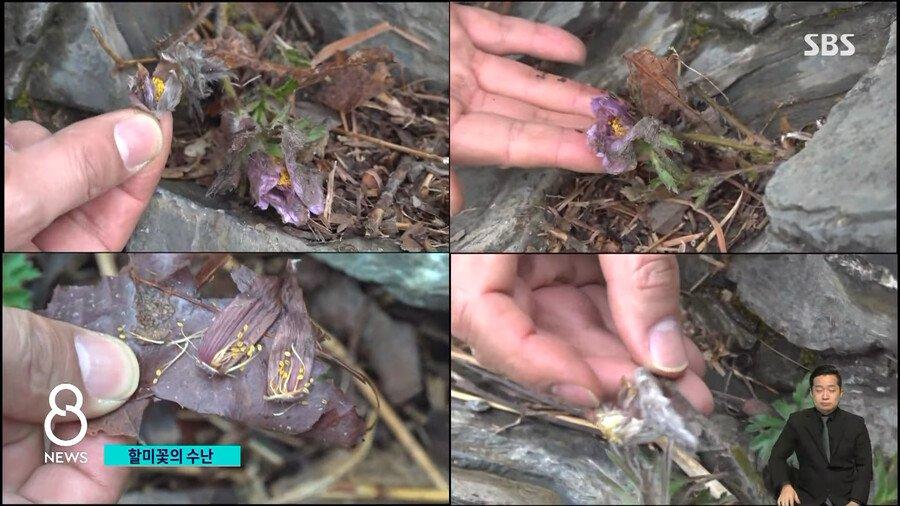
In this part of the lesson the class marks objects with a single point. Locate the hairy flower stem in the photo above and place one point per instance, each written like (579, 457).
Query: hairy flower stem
(715, 140)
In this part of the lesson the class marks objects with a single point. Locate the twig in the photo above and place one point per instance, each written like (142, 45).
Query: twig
(322, 481)
(106, 263)
(373, 223)
(412, 151)
(200, 15)
(736, 123)
(120, 62)
(393, 421)
(717, 228)
(367, 492)
(303, 21)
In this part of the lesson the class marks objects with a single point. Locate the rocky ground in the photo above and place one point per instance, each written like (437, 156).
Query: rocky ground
(837, 194)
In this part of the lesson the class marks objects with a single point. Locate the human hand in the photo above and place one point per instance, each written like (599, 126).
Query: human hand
(39, 354)
(572, 325)
(788, 496)
(852, 503)
(71, 190)
(506, 113)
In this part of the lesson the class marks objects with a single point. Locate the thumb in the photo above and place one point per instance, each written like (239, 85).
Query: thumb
(643, 299)
(79, 163)
(40, 353)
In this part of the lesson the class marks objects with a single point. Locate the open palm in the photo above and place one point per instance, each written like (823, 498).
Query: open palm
(503, 112)
(573, 325)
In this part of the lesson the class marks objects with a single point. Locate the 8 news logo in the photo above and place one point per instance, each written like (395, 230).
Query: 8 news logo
(61, 457)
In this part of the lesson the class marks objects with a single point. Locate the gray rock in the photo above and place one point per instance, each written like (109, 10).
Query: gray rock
(72, 69)
(840, 192)
(421, 280)
(576, 17)
(788, 12)
(24, 25)
(718, 320)
(870, 391)
(143, 24)
(478, 487)
(769, 71)
(428, 21)
(180, 218)
(815, 304)
(750, 16)
(565, 461)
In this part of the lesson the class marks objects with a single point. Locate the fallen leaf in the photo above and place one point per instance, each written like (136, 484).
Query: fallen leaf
(129, 306)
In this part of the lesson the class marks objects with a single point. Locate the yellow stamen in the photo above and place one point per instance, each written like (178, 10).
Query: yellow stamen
(618, 129)
(284, 179)
(158, 87)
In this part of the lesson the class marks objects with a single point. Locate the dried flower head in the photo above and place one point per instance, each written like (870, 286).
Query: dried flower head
(232, 338)
(182, 68)
(643, 413)
(196, 71)
(293, 350)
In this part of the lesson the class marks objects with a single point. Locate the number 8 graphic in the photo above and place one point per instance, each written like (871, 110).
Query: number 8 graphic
(55, 411)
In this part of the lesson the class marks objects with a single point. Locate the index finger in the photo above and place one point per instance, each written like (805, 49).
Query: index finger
(489, 139)
(498, 34)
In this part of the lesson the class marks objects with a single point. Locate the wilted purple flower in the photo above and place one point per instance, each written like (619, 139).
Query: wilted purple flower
(271, 183)
(154, 93)
(611, 136)
(307, 182)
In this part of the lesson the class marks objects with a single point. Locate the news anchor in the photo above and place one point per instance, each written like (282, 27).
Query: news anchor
(832, 447)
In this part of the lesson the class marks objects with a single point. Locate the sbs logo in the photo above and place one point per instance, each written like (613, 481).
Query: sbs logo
(56, 411)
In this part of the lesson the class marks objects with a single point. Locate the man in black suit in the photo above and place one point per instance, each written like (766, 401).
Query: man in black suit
(832, 447)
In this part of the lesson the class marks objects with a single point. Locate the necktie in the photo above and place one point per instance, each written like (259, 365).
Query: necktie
(825, 442)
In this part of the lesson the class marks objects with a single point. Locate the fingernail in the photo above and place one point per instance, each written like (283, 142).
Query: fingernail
(109, 368)
(576, 394)
(667, 347)
(139, 139)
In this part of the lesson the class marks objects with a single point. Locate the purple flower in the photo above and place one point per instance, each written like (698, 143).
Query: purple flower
(271, 184)
(611, 136)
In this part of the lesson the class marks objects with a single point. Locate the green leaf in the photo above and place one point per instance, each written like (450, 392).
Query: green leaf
(286, 89)
(783, 408)
(669, 142)
(274, 149)
(17, 270)
(294, 57)
(801, 391)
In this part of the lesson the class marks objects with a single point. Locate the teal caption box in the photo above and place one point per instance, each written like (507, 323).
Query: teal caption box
(172, 455)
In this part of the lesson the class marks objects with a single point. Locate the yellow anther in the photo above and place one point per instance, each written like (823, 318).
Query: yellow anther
(155, 380)
(159, 372)
(617, 128)
(180, 324)
(287, 354)
(158, 87)
(284, 179)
